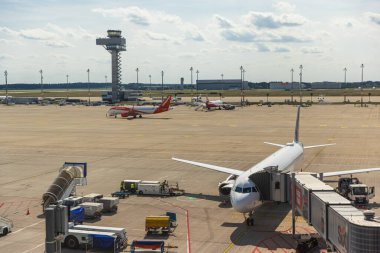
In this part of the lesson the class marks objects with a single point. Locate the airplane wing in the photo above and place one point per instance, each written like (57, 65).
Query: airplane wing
(275, 144)
(321, 145)
(211, 167)
(348, 172)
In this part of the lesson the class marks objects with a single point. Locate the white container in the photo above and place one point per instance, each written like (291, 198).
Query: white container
(150, 189)
(109, 203)
(92, 197)
(92, 209)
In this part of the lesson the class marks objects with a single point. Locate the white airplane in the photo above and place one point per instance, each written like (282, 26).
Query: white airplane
(244, 194)
(134, 111)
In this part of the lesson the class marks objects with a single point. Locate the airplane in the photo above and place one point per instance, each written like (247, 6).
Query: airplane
(244, 194)
(134, 111)
(215, 104)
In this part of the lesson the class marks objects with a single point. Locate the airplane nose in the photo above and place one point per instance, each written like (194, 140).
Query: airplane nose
(242, 203)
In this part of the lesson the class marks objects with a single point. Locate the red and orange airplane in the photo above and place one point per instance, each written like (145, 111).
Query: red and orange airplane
(135, 110)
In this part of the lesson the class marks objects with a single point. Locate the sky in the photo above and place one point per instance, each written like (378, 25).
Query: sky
(268, 38)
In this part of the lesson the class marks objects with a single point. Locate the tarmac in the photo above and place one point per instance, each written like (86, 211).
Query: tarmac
(37, 140)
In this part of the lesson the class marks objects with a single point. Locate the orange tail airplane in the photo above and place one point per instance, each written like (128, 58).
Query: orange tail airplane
(134, 111)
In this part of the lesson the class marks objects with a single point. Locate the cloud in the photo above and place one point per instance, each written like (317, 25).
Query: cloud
(187, 55)
(266, 20)
(37, 34)
(288, 39)
(374, 17)
(281, 50)
(6, 57)
(222, 22)
(311, 50)
(77, 33)
(133, 14)
(241, 35)
(57, 44)
(262, 48)
(161, 37)
(8, 31)
(284, 7)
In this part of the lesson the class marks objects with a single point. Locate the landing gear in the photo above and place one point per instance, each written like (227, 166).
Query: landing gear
(140, 116)
(250, 220)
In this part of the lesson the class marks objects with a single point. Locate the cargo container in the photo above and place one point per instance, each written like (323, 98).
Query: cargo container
(77, 215)
(306, 183)
(157, 224)
(319, 201)
(73, 201)
(92, 210)
(92, 197)
(109, 204)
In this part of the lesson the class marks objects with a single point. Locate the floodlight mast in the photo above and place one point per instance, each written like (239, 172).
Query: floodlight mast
(114, 44)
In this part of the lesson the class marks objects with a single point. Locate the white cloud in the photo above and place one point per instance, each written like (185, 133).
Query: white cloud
(222, 22)
(311, 50)
(134, 14)
(374, 17)
(267, 20)
(37, 34)
(282, 50)
(262, 48)
(57, 44)
(284, 7)
(238, 34)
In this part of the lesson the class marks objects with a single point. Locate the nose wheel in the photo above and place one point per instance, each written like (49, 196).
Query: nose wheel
(250, 220)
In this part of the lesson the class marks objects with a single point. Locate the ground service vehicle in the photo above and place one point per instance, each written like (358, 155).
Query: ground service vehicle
(77, 215)
(352, 189)
(119, 232)
(6, 226)
(157, 224)
(109, 204)
(150, 188)
(120, 195)
(101, 240)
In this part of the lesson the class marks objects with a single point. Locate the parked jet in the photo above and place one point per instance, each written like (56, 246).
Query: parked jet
(244, 194)
(134, 111)
(215, 104)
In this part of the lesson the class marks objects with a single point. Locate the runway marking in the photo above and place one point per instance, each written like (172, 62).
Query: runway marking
(21, 229)
(29, 250)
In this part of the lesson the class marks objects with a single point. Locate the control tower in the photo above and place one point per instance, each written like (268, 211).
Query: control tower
(114, 44)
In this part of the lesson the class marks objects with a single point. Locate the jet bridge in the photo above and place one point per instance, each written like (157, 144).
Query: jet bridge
(345, 228)
(70, 175)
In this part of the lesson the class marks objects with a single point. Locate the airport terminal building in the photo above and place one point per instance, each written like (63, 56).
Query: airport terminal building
(219, 84)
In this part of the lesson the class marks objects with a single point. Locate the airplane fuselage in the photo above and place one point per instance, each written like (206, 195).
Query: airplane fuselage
(244, 194)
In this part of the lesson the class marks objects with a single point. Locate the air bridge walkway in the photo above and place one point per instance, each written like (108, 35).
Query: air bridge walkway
(345, 228)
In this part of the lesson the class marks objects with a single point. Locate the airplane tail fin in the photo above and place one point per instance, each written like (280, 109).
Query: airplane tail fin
(164, 106)
(296, 130)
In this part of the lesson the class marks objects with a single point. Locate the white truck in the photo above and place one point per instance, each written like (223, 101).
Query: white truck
(76, 238)
(352, 189)
(6, 226)
(119, 232)
(158, 188)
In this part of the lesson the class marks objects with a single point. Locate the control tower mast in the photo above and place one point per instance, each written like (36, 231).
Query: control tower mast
(114, 44)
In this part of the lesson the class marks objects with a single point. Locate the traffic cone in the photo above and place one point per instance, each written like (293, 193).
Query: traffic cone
(27, 212)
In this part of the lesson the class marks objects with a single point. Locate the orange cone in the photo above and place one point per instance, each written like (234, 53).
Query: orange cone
(27, 212)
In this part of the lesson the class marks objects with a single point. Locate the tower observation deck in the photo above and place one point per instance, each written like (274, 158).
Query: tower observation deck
(114, 44)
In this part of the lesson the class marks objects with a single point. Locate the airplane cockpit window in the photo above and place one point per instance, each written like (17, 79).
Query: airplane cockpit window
(238, 189)
(246, 190)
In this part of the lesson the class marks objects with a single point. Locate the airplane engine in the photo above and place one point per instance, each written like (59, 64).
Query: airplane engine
(124, 114)
(226, 186)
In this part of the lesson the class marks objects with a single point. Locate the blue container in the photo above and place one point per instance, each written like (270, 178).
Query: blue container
(77, 215)
(172, 216)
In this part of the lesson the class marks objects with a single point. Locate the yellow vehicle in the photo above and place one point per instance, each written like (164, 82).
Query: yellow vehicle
(157, 224)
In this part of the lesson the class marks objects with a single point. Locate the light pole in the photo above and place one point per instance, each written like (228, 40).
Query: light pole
(301, 68)
(6, 86)
(197, 82)
(67, 86)
(137, 73)
(222, 76)
(345, 75)
(241, 86)
(191, 78)
(291, 87)
(42, 85)
(162, 85)
(105, 78)
(150, 80)
(88, 81)
(361, 88)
